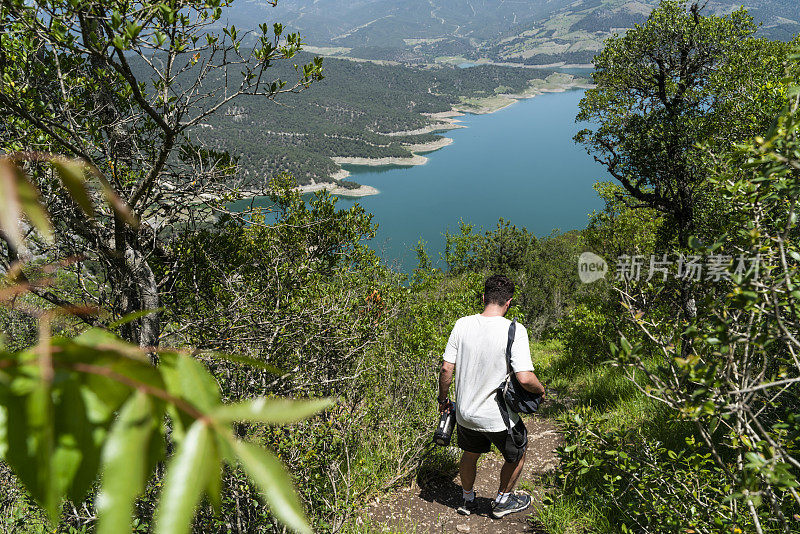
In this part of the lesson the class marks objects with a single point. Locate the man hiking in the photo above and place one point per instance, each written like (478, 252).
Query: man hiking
(476, 351)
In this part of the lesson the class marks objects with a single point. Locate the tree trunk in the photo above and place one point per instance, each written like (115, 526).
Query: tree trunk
(138, 291)
(685, 222)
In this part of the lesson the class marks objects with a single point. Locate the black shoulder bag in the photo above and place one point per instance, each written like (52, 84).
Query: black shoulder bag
(510, 394)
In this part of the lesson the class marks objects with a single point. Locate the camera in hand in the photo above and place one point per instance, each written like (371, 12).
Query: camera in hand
(447, 421)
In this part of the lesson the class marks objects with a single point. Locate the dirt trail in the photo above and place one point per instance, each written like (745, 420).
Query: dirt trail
(429, 504)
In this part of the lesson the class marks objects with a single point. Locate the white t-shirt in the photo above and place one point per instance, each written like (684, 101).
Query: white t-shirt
(477, 347)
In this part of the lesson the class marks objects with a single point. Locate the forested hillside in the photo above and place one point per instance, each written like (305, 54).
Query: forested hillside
(347, 113)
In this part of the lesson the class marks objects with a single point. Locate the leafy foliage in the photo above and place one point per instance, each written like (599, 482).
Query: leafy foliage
(679, 80)
(714, 445)
(73, 410)
(543, 268)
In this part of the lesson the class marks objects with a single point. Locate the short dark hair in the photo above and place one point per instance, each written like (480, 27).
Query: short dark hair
(497, 289)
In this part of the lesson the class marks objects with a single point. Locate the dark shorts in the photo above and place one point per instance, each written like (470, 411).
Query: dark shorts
(512, 446)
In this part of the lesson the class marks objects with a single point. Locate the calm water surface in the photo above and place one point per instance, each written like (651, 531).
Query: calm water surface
(519, 163)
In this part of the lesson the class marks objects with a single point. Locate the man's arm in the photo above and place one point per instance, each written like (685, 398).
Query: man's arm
(445, 379)
(527, 379)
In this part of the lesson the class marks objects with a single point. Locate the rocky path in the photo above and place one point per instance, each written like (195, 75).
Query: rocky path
(429, 504)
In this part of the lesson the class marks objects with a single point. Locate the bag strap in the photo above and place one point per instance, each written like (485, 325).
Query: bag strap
(512, 332)
(500, 396)
(501, 402)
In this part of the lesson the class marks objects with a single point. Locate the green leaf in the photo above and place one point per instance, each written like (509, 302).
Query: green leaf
(103, 340)
(186, 478)
(120, 207)
(245, 360)
(31, 443)
(18, 196)
(78, 441)
(73, 178)
(132, 30)
(277, 411)
(125, 465)
(214, 485)
(196, 383)
(226, 450)
(133, 317)
(270, 476)
(55, 445)
(40, 413)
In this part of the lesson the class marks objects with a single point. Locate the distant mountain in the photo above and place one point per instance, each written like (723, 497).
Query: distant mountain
(575, 33)
(389, 23)
(520, 31)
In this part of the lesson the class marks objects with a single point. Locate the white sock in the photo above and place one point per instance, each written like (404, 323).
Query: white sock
(468, 495)
(502, 497)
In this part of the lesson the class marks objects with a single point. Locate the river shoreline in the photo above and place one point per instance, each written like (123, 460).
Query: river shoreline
(332, 187)
(555, 83)
(505, 100)
(446, 120)
(423, 148)
(415, 159)
(335, 189)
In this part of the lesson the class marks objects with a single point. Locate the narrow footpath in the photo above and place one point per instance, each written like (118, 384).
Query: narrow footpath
(429, 504)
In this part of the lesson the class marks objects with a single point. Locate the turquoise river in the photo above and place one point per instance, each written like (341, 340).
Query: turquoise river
(518, 163)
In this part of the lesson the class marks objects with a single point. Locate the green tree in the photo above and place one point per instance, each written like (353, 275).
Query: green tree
(294, 292)
(740, 383)
(503, 249)
(678, 81)
(669, 92)
(119, 85)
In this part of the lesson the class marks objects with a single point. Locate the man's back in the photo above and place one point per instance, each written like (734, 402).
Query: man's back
(477, 347)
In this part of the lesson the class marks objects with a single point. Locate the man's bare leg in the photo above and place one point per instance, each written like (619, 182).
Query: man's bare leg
(467, 469)
(509, 475)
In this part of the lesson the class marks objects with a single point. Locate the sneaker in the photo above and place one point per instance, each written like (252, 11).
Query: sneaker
(467, 507)
(514, 503)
